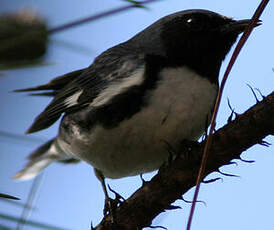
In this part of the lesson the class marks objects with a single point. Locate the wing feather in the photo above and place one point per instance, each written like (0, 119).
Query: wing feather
(83, 86)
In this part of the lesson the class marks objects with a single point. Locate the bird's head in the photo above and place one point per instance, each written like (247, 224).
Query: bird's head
(191, 37)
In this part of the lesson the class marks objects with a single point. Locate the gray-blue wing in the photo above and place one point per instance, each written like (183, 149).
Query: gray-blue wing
(81, 90)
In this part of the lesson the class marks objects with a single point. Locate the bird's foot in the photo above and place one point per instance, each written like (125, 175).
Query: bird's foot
(112, 204)
(187, 147)
(184, 150)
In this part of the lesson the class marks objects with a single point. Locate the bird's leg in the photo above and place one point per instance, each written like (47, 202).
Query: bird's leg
(108, 206)
(101, 178)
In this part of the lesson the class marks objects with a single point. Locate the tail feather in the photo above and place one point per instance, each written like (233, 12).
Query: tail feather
(33, 168)
(40, 159)
(57, 106)
(40, 151)
(54, 86)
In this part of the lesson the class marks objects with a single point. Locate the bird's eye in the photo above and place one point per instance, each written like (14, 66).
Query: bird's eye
(189, 20)
(194, 23)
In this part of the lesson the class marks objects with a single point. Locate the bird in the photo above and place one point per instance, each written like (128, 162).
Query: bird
(157, 88)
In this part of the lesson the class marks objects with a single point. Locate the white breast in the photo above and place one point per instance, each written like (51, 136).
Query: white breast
(178, 109)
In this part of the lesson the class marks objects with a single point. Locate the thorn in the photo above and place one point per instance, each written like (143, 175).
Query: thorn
(157, 227)
(259, 91)
(246, 161)
(187, 201)
(232, 163)
(229, 105)
(227, 174)
(264, 143)
(190, 202)
(254, 94)
(230, 118)
(143, 180)
(91, 226)
(212, 180)
(172, 207)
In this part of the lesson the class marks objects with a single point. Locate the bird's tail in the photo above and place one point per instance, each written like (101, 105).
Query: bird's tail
(40, 159)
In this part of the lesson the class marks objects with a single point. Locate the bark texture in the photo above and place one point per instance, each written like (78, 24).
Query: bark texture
(178, 177)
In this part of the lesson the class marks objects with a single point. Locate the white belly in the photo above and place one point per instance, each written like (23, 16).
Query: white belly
(178, 109)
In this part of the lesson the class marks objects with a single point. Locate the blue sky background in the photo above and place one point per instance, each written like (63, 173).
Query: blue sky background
(71, 196)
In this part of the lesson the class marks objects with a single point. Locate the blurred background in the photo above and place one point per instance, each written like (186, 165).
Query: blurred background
(70, 196)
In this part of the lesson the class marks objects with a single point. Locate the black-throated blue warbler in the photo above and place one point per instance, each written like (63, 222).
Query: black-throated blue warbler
(158, 87)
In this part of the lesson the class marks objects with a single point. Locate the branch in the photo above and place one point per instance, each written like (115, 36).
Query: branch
(178, 177)
(98, 16)
(252, 24)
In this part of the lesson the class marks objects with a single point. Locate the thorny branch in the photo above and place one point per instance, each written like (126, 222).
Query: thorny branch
(239, 46)
(174, 180)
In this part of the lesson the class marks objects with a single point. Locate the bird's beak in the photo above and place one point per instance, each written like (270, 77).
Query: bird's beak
(238, 26)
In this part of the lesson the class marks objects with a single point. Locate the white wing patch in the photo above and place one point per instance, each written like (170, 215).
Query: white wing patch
(118, 87)
(73, 99)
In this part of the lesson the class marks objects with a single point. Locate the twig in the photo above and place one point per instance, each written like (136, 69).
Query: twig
(235, 54)
(174, 180)
(18, 137)
(31, 196)
(97, 16)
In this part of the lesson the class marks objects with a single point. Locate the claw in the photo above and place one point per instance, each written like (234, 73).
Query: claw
(171, 152)
(186, 146)
(206, 128)
(118, 197)
(108, 207)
